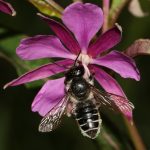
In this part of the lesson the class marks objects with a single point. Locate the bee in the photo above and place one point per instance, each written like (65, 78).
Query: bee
(83, 101)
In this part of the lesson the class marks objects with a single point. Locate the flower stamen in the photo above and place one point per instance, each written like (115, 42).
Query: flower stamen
(85, 59)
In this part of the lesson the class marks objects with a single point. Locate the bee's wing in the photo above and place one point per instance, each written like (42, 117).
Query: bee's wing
(52, 119)
(112, 101)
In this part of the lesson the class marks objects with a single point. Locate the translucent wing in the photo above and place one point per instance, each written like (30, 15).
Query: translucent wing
(114, 102)
(52, 119)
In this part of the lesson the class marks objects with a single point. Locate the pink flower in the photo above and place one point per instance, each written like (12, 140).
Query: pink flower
(84, 21)
(7, 8)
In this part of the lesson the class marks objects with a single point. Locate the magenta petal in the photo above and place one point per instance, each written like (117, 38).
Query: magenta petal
(109, 84)
(42, 46)
(64, 35)
(41, 72)
(106, 41)
(84, 20)
(7, 8)
(120, 63)
(49, 96)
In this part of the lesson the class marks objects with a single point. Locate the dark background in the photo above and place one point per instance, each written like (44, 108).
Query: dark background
(18, 125)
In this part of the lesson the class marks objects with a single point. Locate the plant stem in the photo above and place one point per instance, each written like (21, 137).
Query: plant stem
(108, 139)
(77, 0)
(135, 137)
(55, 5)
(7, 59)
(106, 4)
(115, 11)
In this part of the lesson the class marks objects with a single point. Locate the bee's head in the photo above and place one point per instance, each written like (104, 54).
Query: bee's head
(76, 71)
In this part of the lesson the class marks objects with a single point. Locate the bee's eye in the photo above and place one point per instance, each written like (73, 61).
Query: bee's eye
(75, 72)
(79, 71)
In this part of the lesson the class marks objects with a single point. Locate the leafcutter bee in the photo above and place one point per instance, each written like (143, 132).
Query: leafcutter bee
(83, 101)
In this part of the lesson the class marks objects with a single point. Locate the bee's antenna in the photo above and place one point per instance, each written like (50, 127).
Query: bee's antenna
(77, 58)
(73, 64)
(60, 65)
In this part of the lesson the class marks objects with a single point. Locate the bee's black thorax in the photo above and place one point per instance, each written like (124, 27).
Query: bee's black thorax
(88, 118)
(79, 88)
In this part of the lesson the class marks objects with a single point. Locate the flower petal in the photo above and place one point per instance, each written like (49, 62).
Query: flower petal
(109, 84)
(120, 63)
(139, 47)
(136, 10)
(7, 8)
(42, 46)
(84, 20)
(106, 41)
(41, 72)
(63, 33)
(49, 96)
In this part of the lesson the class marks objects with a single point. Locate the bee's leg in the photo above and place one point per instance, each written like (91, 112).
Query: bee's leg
(91, 79)
(98, 105)
(69, 109)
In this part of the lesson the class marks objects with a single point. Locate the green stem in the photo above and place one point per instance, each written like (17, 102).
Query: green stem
(134, 135)
(8, 59)
(108, 139)
(14, 62)
(77, 1)
(115, 11)
(106, 4)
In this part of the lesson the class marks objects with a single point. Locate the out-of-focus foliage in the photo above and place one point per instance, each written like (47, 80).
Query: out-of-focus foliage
(8, 46)
(139, 47)
(115, 8)
(46, 8)
(19, 126)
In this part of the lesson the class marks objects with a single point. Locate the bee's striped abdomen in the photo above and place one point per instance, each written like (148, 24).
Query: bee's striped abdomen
(88, 118)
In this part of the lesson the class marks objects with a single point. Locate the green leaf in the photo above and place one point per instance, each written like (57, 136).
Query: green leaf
(46, 8)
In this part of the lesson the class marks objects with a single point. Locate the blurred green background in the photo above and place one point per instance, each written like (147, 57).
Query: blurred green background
(19, 126)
